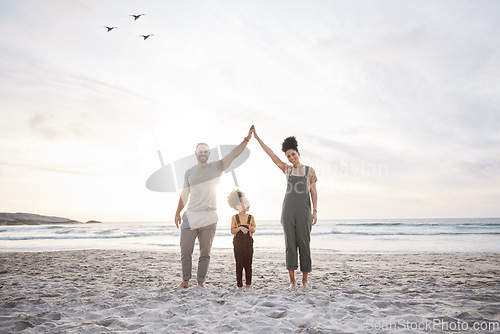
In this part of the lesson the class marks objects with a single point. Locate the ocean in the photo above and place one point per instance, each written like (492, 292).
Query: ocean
(328, 236)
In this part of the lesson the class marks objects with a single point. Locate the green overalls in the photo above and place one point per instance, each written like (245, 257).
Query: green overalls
(296, 222)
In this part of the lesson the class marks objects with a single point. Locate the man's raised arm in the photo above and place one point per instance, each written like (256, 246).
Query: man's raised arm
(228, 159)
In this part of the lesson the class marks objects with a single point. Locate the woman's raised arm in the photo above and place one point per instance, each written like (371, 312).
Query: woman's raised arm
(269, 152)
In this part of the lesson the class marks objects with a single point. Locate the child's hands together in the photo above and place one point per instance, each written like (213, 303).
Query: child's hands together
(243, 229)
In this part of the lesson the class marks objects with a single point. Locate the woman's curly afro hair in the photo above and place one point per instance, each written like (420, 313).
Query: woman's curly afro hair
(290, 143)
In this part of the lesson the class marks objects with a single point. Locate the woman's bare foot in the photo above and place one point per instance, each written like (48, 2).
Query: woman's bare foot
(239, 288)
(306, 286)
(293, 286)
(183, 285)
(248, 288)
(201, 284)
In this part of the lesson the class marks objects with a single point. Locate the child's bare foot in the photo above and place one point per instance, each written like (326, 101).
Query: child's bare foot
(306, 286)
(240, 288)
(183, 285)
(293, 286)
(248, 288)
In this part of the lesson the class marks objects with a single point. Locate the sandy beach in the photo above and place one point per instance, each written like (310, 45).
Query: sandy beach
(100, 291)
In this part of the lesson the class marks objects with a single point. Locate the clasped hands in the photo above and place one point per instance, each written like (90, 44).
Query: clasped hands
(246, 230)
(250, 133)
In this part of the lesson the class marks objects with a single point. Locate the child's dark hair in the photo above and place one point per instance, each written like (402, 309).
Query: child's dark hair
(234, 198)
(290, 143)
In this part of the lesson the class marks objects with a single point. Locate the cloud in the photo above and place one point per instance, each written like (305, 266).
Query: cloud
(27, 68)
(52, 127)
(369, 152)
(51, 169)
(483, 167)
(100, 86)
(64, 9)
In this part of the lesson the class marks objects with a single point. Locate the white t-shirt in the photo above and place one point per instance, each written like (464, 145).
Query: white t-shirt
(202, 183)
(202, 206)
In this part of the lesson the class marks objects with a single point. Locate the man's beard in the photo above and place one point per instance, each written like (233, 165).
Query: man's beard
(202, 159)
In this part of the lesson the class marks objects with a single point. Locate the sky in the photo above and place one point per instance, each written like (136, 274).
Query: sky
(395, 104)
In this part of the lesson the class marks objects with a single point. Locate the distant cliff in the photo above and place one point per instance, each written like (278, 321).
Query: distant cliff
(33, 219)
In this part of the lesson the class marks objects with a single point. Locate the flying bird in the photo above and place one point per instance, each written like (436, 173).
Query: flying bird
(110, 28)
(145, 36)
(137, 16)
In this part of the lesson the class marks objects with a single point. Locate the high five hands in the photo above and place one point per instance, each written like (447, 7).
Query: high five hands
(254, 132)
(250, 132)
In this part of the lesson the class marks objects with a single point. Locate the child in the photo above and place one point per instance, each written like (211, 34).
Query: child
(243, 227)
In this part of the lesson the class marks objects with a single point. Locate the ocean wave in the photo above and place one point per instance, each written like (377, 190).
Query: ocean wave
(472, 225)
(409, 233)
(104, 232)
(166, 235)
(163, 245)
(64, 237)
(80, 237)
(67, 231)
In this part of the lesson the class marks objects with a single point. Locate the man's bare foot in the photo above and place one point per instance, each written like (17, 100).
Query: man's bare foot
(293, 286)
(201, 284)
(248, 288)
(306, 286)
(183, 285)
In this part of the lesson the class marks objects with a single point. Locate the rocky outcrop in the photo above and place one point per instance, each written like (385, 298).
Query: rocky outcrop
(20, 218)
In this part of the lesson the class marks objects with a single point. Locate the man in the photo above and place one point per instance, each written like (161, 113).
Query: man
(200, 219)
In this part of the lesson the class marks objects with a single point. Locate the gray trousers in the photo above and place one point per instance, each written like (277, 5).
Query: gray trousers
(205, 237)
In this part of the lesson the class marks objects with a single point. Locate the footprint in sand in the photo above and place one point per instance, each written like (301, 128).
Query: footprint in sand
(22, 325)
(277, 314)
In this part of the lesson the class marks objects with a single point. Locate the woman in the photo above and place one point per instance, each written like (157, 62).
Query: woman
(296, 216)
